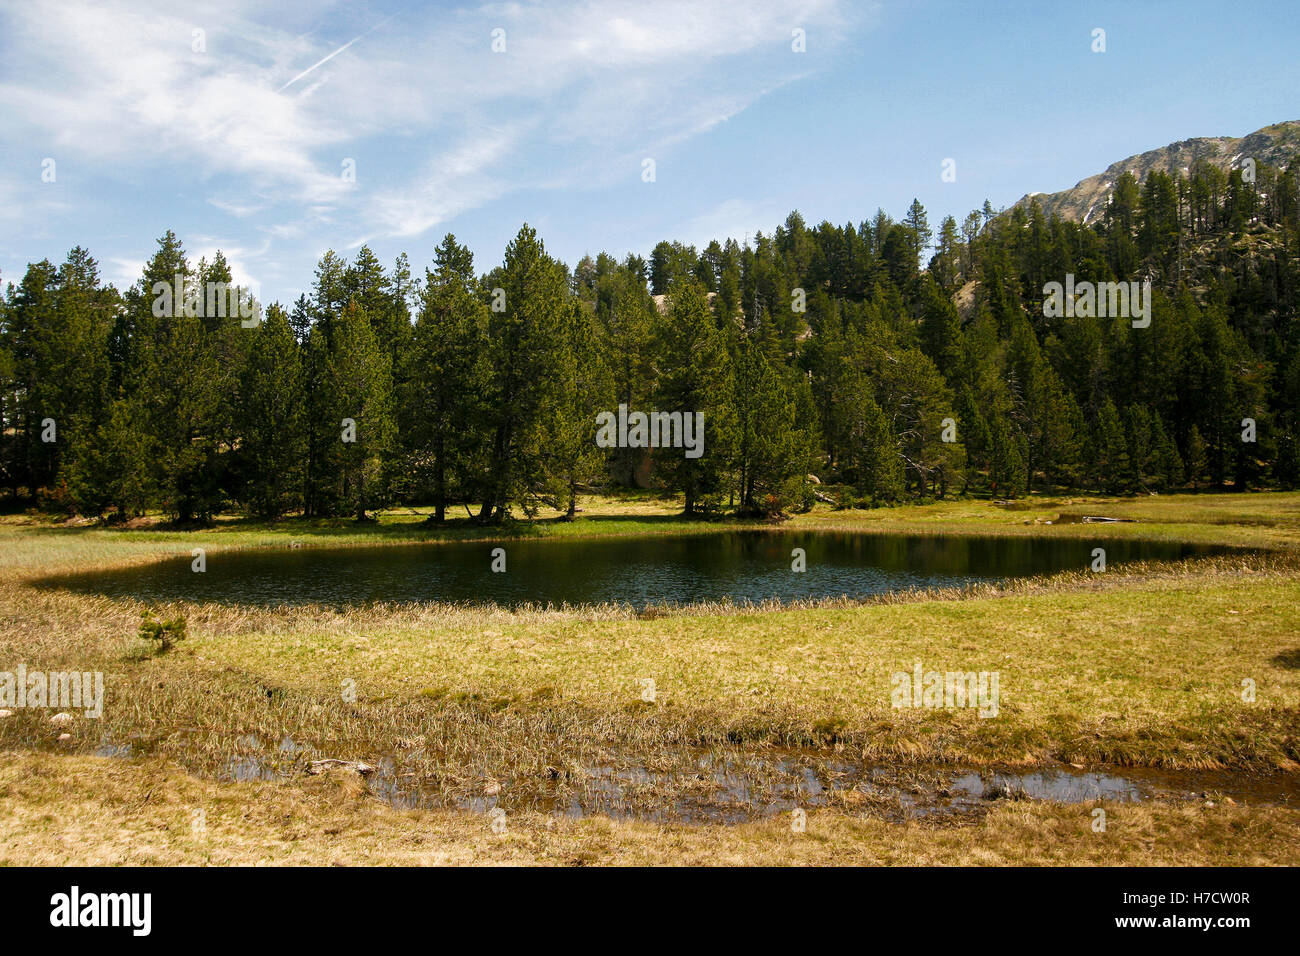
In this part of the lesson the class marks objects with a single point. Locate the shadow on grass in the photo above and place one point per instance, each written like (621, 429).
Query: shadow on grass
(412, 528)
(1289, 660)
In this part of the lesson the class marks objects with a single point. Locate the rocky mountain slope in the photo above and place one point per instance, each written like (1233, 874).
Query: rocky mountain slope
(1276, 145)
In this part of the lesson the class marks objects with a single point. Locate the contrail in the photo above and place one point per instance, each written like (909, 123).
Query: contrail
(331, 56)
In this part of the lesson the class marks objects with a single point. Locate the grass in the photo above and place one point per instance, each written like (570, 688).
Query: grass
(83, 811)
(532, 710)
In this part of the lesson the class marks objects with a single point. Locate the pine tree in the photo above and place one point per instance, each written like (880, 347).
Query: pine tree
(31, 335)
(916, 399)
(271, 419)
(1113, 468)
(583, 389)
(1008, 473)
(918, 227)
(381, 297)
(1063, 431)
(524, 339)
(330, 292)
(324, 413)
(772, 454)
(56, 335)
(1286, 469)
(870, 449)
(695, 377)
(1194, 458)
(180, 377)
(946, 264)
(1144, 455)
(629, 318)
(941, 337)
(362, 382)
(1168, 463)
(446, 379)
(974, 431)
(87, 310)
(9, 403)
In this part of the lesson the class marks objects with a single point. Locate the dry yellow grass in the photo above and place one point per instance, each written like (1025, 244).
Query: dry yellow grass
(1141, 666)
(89, 811)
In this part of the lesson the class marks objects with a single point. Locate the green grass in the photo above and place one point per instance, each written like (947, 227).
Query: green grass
(1266, 520)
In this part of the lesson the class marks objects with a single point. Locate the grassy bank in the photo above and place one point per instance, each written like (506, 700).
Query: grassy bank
(1265, 521)
(82, 811)
(533, 710)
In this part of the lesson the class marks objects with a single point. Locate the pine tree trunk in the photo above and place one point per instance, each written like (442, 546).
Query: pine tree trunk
(440, 484)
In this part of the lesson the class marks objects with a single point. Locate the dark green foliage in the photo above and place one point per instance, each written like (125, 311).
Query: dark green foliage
(164, 634)
(695, 377)
(441, 410)
(270, 419)
(815, 349)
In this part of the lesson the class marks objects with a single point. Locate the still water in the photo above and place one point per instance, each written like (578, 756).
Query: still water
(742, 566)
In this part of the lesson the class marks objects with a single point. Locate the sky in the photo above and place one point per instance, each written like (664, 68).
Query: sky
(274, 132)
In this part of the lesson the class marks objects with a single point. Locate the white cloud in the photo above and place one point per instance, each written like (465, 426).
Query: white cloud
(123, 272)
(437, 122)
(238, 210)
(452, 182)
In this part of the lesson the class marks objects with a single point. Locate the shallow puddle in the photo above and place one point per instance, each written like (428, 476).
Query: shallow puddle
(738, 786)
(736, 790)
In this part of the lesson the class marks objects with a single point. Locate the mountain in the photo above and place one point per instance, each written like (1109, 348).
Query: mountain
(1276, 145)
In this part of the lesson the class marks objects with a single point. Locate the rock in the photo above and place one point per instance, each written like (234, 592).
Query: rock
(333, 763)
(61, 719)
(492, 788)
(6, 713)
(65, 737)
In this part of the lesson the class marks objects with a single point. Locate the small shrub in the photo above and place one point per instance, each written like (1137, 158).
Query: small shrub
(163, 633)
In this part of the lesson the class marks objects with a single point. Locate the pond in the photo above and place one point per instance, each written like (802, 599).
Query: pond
(740, 566)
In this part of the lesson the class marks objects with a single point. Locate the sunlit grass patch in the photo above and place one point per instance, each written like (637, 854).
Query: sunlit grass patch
(1141, 666)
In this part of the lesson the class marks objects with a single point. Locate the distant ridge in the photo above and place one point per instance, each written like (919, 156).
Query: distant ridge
(1276, 145)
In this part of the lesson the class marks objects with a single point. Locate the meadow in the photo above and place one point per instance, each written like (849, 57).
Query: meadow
(670, 735)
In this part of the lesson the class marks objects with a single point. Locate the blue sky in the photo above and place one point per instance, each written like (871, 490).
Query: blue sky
(241, 144)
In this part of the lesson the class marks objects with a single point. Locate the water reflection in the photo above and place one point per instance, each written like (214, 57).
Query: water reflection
(747, 566)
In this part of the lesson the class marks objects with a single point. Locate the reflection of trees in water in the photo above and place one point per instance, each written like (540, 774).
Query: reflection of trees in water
(750, 565)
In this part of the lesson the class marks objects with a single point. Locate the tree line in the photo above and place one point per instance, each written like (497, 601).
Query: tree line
(865, 364)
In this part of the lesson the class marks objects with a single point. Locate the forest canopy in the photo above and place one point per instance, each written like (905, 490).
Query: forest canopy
(865, 364)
